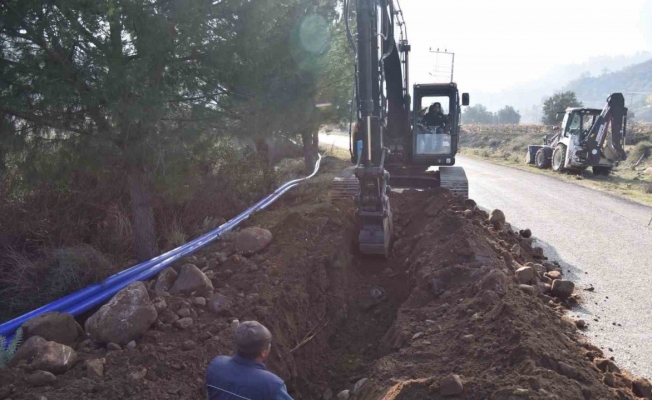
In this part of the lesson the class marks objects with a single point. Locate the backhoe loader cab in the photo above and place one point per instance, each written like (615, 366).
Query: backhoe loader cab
(587, 137)
(436, 134)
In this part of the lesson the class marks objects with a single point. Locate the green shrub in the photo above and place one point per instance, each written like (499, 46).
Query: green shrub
(29, 282)
(641, 151)
(8, 350)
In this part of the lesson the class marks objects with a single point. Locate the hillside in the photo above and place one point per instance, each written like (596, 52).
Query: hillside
(635, 82)
(527, 98)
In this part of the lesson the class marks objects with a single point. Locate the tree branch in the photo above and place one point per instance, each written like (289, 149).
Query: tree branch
(49, 122)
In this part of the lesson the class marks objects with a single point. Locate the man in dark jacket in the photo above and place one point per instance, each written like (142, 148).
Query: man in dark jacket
(245, 376)
(435, 117)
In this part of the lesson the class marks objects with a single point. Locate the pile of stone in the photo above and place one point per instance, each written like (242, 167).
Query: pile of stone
(172, 300)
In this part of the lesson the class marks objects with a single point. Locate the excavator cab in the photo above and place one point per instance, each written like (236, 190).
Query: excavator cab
(436, 144)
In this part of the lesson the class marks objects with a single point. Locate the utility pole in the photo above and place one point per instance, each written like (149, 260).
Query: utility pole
(452, 60)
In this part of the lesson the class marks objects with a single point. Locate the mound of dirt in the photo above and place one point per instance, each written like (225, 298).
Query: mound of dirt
(444, 316)
(468, 315)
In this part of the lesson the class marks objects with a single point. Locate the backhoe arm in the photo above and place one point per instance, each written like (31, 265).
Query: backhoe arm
(598, 139)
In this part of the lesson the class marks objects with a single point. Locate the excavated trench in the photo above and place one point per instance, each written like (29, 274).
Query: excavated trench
(375, 290)
(360, 299)
(352, 303)
(446, 303)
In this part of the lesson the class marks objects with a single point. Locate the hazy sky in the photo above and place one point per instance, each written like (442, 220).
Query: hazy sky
(501, 43)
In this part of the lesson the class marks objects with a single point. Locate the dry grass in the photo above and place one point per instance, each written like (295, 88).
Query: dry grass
(647, 188)
(29, 282)
(91, 210)
(506, 145)
(639, 153)
(174, 234)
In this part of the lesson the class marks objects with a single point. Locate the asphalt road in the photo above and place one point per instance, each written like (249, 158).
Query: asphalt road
(599, 239)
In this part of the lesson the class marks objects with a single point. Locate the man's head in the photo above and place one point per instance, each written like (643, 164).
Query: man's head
(253, 340)
(435, 108)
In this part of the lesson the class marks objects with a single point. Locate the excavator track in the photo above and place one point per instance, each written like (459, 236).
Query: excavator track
(345, 186)
(454, 179)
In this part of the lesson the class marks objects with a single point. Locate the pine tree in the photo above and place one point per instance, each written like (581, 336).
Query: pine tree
(116, 82)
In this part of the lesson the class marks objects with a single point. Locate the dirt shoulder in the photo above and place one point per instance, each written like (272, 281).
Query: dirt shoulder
(507, 145)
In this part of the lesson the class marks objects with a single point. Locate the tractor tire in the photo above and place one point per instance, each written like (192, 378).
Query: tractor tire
(559, 158)
(541, 160)
(601, 171)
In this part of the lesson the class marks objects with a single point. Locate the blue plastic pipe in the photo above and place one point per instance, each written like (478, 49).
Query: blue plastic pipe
(206, 239)
(94, 295)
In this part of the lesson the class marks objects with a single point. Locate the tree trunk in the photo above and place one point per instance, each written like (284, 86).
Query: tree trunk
(310, 149)
(262, 150)
(142, 216)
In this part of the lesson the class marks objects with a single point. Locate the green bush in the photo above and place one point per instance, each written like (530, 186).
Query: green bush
(8, 350)
(641, 152)
(27, 282)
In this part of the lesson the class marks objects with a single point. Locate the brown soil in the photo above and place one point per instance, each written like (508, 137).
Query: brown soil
(337, 317)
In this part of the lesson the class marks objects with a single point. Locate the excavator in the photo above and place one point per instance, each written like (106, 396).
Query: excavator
(583, 140)
(390, 145)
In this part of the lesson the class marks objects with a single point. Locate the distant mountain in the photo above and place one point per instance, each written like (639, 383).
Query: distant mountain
(528, 98)
(635, 82)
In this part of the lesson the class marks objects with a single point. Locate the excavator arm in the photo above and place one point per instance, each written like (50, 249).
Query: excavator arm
(599, 140)
(382, 103)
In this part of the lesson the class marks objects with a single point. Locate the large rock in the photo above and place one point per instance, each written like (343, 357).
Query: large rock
(219, 304)
(55, 357)
(495, 281)
(606, 365)
(359, 386)
(54, 326)
(184, 323)
(554, 275)
(41, 378)
(451, 386)
(642, 388)
(562, 289)
(126, 317)
(252, 240)
(192, 280)
(40, 354)
(165, 280)
(28, 350)
(497, 219)
(95, 368)
(525, 274)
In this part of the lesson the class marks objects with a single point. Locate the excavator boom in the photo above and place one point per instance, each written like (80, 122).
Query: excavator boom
(384, 140)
